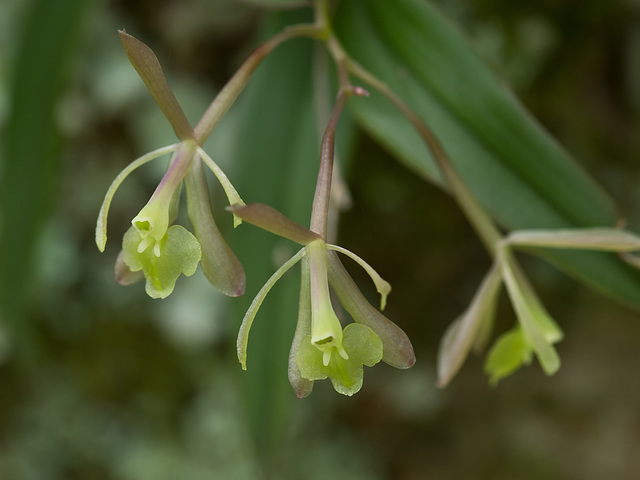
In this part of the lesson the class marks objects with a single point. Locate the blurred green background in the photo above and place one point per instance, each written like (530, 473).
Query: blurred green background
(98, 381)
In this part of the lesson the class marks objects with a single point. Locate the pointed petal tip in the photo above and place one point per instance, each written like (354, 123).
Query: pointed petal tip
(412, 362)
(301, 386)
(303, 393)
(444, 378)
(101, 230)
(238, 292)
(263, 216)
(123, 274)
(405, 363)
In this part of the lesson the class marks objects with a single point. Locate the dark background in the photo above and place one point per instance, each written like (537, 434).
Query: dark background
(97, 381)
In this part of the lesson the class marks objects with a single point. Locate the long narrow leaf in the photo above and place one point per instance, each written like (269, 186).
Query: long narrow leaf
(32, 150)
(517, 171)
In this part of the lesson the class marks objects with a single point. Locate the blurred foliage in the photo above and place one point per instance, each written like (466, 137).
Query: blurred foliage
(125, 387)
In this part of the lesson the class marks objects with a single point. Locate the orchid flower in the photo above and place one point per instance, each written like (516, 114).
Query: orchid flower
(152, 245)
(321, 348)
(536, 332)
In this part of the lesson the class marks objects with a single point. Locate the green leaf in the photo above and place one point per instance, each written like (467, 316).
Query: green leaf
(516, 170)
(31, 152)
(277, 4)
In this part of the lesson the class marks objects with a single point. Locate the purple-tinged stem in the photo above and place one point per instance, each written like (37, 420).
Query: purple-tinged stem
(320, 209)
(236, 84)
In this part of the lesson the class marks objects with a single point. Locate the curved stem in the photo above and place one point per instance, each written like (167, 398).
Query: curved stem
(475, 213)
(320, 209)
(236, 84)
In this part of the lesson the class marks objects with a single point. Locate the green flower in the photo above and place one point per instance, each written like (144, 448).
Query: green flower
(152, 245)
(321, 348)
(536, 332)
(359, 346)
(163, 261)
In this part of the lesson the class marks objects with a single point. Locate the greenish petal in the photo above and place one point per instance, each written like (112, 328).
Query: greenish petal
(154, 219)
(179, 252)
(247, 321)
(362, 344)
(510, 351)
(301, 385)
(219, 264)
(101, 224)
(540, 329)
(398, 351)
(382, 286)
(123, 274)
(271, 220)
(363, 347)
(229, 189)
(464, 331)
(148, 67)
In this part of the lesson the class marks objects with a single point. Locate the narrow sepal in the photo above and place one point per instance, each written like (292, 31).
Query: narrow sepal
(382, 286)
(398, 351)
(101, 224)
(148, 67)
(301, 386)
(123, 274)
(247, 321)
(462, 333)
(232, 195)
(271, 220)
(219, 264)
(540, 330)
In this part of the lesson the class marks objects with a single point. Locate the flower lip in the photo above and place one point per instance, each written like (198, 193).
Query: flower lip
(364, 347)
(324, 341)
(143, 226)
